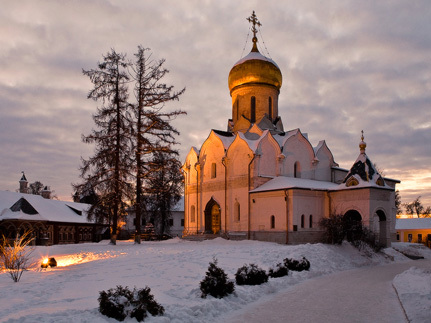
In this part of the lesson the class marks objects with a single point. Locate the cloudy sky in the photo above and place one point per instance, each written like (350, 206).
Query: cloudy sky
(347, 66)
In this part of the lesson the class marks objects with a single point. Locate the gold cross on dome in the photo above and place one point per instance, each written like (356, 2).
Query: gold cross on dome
(253, 19)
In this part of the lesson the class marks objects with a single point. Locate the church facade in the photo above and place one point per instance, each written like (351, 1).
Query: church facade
(258, 181)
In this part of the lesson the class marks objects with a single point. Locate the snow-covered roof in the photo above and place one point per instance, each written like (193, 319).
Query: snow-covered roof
(180, 205)
(46, 209)
(284, 182)
(282, 138)
(412, 224)
(252, 143)
(257, 56)
(225, 137)
(364, 174)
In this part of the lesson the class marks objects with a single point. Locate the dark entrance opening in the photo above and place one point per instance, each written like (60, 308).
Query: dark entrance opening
(212, 217)
(353, 225)
(382, 227)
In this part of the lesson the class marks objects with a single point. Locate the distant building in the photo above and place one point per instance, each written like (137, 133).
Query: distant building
(176, 222)
(258, 181)
(417, 230)
(51, 221)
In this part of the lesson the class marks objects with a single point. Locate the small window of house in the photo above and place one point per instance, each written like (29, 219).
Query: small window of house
(302, 221)
(310, 224)
(213, 170)
(171, 222)
(419, 237)
(398, 236)
(272, 222)
(410, 237)
(182, 222)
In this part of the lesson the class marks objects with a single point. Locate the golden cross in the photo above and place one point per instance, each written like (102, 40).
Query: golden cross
(253, 19)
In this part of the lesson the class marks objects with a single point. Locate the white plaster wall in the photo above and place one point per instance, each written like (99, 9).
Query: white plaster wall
(297, 149)
(323, 168)
(267, 161)
(305, 202)
(264, 206)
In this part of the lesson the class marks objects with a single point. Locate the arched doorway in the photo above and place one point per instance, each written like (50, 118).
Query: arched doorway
(382, 227)
(352, 225)
(212, 217)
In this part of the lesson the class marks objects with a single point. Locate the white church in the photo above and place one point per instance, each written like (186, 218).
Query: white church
(258, 181)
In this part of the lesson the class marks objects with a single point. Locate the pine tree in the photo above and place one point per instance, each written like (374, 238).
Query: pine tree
(108, 169)
(163, 188)
(153, 132)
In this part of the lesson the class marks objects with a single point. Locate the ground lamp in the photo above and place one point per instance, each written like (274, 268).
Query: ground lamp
(48, 262)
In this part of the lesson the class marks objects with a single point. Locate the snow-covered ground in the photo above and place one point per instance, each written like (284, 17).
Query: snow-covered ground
(173, 270)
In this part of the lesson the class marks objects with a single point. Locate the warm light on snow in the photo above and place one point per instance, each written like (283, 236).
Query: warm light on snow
(80, 258)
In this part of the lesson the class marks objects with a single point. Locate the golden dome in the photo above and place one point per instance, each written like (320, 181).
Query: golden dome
(255, 69)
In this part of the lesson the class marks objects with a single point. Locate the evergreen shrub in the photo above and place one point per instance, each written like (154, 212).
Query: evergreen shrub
(122, 302)
(250, 275)
(297, 265)
(280, 270)
(215, 282)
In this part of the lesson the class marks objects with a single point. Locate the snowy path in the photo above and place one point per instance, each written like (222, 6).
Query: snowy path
(359, 295)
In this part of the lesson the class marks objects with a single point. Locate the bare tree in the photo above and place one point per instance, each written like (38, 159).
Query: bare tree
(398, 204)
(36, 188)
(417, 208)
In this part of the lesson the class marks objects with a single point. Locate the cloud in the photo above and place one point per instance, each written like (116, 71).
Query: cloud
(347, 66)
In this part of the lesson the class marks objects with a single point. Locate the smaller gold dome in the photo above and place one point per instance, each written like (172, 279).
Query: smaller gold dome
(362, 144)
(255, 68)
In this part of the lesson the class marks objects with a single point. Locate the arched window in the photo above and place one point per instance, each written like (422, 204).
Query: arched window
(297, 170)
(253, 110)
(302, 221)
(270, 112)
(192, 214)
(310, 221)
(213, 170)
(272, 222)
(237, 212)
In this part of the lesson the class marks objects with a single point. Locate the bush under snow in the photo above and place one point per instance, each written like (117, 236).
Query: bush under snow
(250, 275)
(122, 302)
